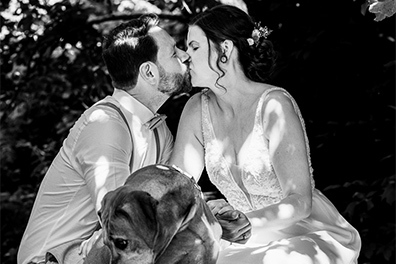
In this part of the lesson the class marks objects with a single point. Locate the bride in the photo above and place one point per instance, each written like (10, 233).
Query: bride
(251, 138)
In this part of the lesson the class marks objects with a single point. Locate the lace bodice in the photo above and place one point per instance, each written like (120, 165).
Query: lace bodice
(257, 175)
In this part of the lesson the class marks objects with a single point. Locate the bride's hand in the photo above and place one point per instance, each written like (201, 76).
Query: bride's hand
(87, 245)
(219, 206)
(235, 224)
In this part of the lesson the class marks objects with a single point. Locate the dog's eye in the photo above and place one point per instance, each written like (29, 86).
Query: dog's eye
(120, 243)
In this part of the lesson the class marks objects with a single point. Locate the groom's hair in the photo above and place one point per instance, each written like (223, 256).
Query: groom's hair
(126, 47)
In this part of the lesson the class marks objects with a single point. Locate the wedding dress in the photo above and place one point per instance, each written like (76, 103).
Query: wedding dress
(324, 237)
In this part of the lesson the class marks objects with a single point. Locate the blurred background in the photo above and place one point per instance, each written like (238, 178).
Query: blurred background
(337, 59)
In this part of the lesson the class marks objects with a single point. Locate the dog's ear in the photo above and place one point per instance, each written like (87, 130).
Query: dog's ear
(106, 203)
(100, 213)
(142, 208)
(145, 204)
(105, 212)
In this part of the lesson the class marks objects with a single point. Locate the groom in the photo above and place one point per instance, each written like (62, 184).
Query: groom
(111, 139)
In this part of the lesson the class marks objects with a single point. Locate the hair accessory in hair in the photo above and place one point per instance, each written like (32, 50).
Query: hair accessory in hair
(257, 33)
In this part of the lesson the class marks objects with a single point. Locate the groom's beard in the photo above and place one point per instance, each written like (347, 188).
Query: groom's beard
(174, 83)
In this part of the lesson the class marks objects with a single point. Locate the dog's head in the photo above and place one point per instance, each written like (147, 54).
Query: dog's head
(141, 218)
(130, 225)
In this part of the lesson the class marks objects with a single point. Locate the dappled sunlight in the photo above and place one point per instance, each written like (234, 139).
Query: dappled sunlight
(155, 29)
(125, 100)
(264, 249)
(161, 167)
(98, 116)
(280, 211)
(183, 172)
(258, 222)
(285, 211)
(190, 153)
(198, 242)
(245, 153)
(280, 256)
(312, 248)
(217, 231)
(211, 223)
(309, 249)
(131, 42)
(291, 185)
(140, 142)
(102, 169)
(221, 147)
(291, 148)
(241, 156)
(274, 112)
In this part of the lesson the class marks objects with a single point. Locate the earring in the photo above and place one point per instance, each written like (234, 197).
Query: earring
(223, 58)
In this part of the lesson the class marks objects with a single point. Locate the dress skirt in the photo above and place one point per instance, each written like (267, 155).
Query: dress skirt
(325, 237)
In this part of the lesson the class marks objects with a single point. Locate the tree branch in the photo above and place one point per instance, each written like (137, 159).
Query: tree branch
(180, 18)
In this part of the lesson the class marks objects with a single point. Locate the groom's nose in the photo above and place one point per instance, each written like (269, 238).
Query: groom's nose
(183, 56)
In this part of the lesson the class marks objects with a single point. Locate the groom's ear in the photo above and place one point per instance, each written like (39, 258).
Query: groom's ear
(227, 47)
(149, 72)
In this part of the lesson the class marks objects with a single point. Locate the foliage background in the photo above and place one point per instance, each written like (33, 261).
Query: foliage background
(335, 60)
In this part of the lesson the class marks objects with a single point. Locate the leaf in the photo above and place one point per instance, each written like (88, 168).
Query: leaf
(382, 9)
(370, 204)
(369, 250)
(388, 253)
(389, 194)
(364, 7)
(332, 187)
(350, 208)
(26, 22)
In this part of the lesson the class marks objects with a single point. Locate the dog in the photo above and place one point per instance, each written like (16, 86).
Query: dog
(159, 216)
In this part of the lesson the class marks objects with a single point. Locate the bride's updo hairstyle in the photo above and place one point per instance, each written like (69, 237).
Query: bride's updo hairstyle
(225, 22)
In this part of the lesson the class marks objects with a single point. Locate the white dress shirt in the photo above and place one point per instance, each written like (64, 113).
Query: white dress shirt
(93, 160)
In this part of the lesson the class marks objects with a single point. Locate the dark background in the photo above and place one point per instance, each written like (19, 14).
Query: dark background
(337, 62)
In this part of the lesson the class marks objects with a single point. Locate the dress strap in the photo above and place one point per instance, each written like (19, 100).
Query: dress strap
(259, 120)
(206, 122)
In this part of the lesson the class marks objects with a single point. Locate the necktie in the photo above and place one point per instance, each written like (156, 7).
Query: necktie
(155, 121)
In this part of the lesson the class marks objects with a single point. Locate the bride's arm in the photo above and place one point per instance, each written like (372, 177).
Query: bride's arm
(188, 151)
(188, 155)
(288, 154)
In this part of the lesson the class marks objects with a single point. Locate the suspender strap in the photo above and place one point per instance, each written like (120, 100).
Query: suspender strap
(126, 122)
(157, 141)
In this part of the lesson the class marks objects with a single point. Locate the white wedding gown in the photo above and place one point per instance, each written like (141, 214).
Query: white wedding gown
(324, 237)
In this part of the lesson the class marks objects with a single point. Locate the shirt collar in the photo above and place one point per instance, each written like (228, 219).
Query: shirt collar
(133, 106)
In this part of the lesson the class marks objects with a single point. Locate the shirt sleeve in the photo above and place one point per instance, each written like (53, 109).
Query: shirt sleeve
(103, 150)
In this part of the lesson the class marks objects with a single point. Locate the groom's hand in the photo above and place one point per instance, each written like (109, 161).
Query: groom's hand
(87, 245)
